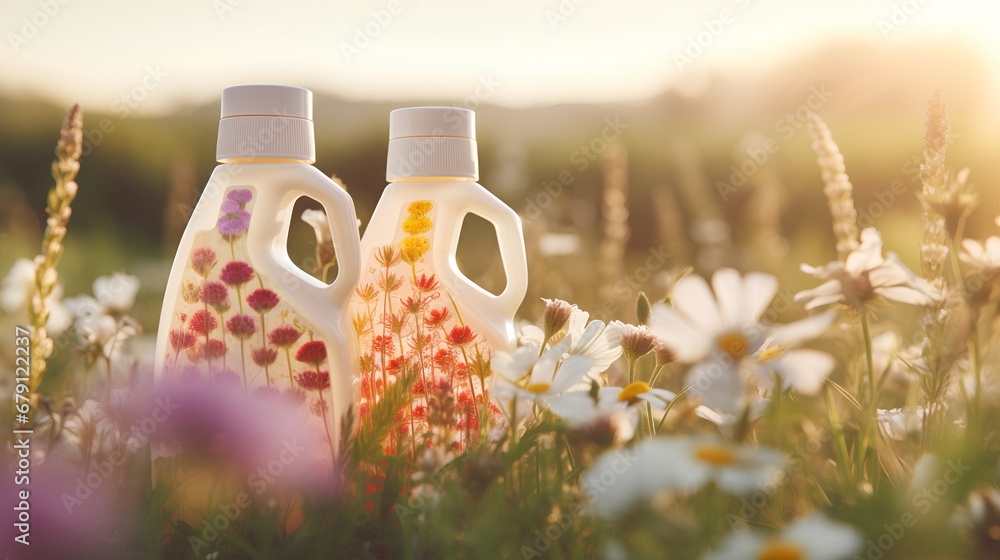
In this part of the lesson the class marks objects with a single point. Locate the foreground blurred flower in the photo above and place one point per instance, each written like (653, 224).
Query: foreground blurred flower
(218, 424)
(682, 464)
(69, 518)
(864, 277)
(812, 538)
(723, 335)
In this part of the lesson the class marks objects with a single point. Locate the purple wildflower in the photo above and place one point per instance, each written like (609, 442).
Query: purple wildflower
(240, 196)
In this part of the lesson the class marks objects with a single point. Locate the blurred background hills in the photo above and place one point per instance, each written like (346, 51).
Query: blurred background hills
(674, 186)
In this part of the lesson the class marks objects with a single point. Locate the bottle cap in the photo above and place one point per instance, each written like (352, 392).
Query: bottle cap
(266, 121)
(432, 142)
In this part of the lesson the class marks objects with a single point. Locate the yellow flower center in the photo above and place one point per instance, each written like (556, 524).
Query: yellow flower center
(631, 392)
(734, 344)
(781, 550)
(538, 388)
(717, 455)
(770, 354)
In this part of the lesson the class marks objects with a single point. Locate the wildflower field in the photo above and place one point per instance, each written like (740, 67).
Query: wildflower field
(715, 415)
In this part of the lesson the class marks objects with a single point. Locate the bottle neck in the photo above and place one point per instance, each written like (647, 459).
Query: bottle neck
(250, 160)
(442, 179)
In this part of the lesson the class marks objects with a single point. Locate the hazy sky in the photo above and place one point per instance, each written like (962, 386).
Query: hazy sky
(511, 52)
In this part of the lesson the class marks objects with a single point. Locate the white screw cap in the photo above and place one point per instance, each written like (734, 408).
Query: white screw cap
(432, 121)
(432, 142)
(266, 121)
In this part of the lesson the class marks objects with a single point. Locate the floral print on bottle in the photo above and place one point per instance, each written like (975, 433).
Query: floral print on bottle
(232, 325)
(406, 323)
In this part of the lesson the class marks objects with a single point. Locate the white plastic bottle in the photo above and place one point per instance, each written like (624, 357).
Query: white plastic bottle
(414, 310)
(236, 308)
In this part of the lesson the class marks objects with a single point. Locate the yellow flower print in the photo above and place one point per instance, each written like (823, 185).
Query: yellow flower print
(420, 207)
(415, 225)
(413, 248)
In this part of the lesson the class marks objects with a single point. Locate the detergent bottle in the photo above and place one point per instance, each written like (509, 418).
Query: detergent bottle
(236, 308)
(414, 312)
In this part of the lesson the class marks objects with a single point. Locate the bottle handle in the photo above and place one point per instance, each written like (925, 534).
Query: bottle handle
(343, 225)
(510, 239)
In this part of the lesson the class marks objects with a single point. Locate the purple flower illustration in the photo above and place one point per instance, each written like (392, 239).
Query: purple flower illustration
(234, 220)
(240, 196)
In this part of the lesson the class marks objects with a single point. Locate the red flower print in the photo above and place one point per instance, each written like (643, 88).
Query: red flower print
(461, 370)
(312, 352)
(181, 339)
(310, 380)
(262, 300)
(437, 317)
(242, 326)
(419, 412)
(382, 345)
(426, 283)
(418, 388)
(203, 261)
(236, 273)
(283, 336)
(202, 322)
(461, 335)
(215, 294)
(212, 349)
(264, 357)
(444, 358)
(394, 366)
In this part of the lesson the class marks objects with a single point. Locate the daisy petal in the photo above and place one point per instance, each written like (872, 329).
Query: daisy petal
(688, 342)
(758, 291)
(694, 299)
(804, 370)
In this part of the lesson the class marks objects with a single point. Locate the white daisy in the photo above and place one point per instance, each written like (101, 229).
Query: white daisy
(616, 482)
(527, 376)
(812, 538)
(579, 409)
(723, 336)
(635, 393)
(864, 276)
